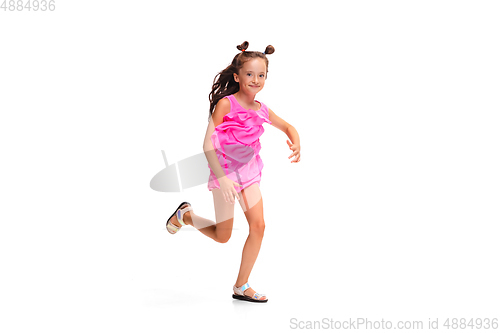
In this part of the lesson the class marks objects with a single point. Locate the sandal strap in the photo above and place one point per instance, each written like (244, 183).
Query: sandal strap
(172, 227)
(240, 290)
(257, 295)
(181, 212)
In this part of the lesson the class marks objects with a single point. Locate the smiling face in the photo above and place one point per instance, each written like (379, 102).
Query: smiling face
(252, 76)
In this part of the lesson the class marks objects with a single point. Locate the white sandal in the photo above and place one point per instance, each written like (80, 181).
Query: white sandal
(239, 294)
(172, 228)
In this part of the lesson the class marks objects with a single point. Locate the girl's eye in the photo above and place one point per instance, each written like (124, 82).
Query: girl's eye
(261, 75)
(249, 74)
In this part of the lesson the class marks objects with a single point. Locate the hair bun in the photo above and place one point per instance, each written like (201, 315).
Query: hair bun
(269, 49)
(242, 46)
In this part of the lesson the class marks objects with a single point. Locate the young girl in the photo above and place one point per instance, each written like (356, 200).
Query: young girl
(232, 149)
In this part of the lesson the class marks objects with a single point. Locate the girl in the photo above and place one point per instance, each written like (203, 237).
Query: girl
(232, 149)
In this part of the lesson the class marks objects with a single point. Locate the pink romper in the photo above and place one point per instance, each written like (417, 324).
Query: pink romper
(236, 143)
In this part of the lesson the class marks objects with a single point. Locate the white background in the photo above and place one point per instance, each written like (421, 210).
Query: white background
(391, 214)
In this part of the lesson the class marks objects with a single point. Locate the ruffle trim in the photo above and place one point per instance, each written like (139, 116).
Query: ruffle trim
(247, 117)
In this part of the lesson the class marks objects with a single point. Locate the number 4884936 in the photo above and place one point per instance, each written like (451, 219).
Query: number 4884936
(28, 5)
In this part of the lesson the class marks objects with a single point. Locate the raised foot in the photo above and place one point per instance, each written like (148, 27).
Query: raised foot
(186, 218)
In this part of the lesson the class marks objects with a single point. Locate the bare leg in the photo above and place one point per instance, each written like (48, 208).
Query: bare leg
(252, 205)
(224, 213)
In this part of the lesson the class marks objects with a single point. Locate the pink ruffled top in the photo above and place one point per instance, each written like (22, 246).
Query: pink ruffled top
(237, 145)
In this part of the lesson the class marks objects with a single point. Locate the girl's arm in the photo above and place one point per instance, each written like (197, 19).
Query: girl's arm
(222, 108)
(282, 125)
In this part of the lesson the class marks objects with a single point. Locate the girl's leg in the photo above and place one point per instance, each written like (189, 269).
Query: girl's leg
(252, 206)
(224, 214)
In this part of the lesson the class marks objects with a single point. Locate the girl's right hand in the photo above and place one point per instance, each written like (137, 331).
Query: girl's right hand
(228, 190)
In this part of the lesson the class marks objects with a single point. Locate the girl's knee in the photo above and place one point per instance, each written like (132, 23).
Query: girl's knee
(223, 238)
(257, 228)
(223, 235)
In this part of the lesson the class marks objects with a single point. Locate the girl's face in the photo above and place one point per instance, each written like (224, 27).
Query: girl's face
(252, 76)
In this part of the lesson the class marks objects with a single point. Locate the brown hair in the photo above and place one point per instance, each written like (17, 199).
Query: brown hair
(224, 83)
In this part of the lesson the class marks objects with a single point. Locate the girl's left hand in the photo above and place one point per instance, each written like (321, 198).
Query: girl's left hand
(296, 151)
